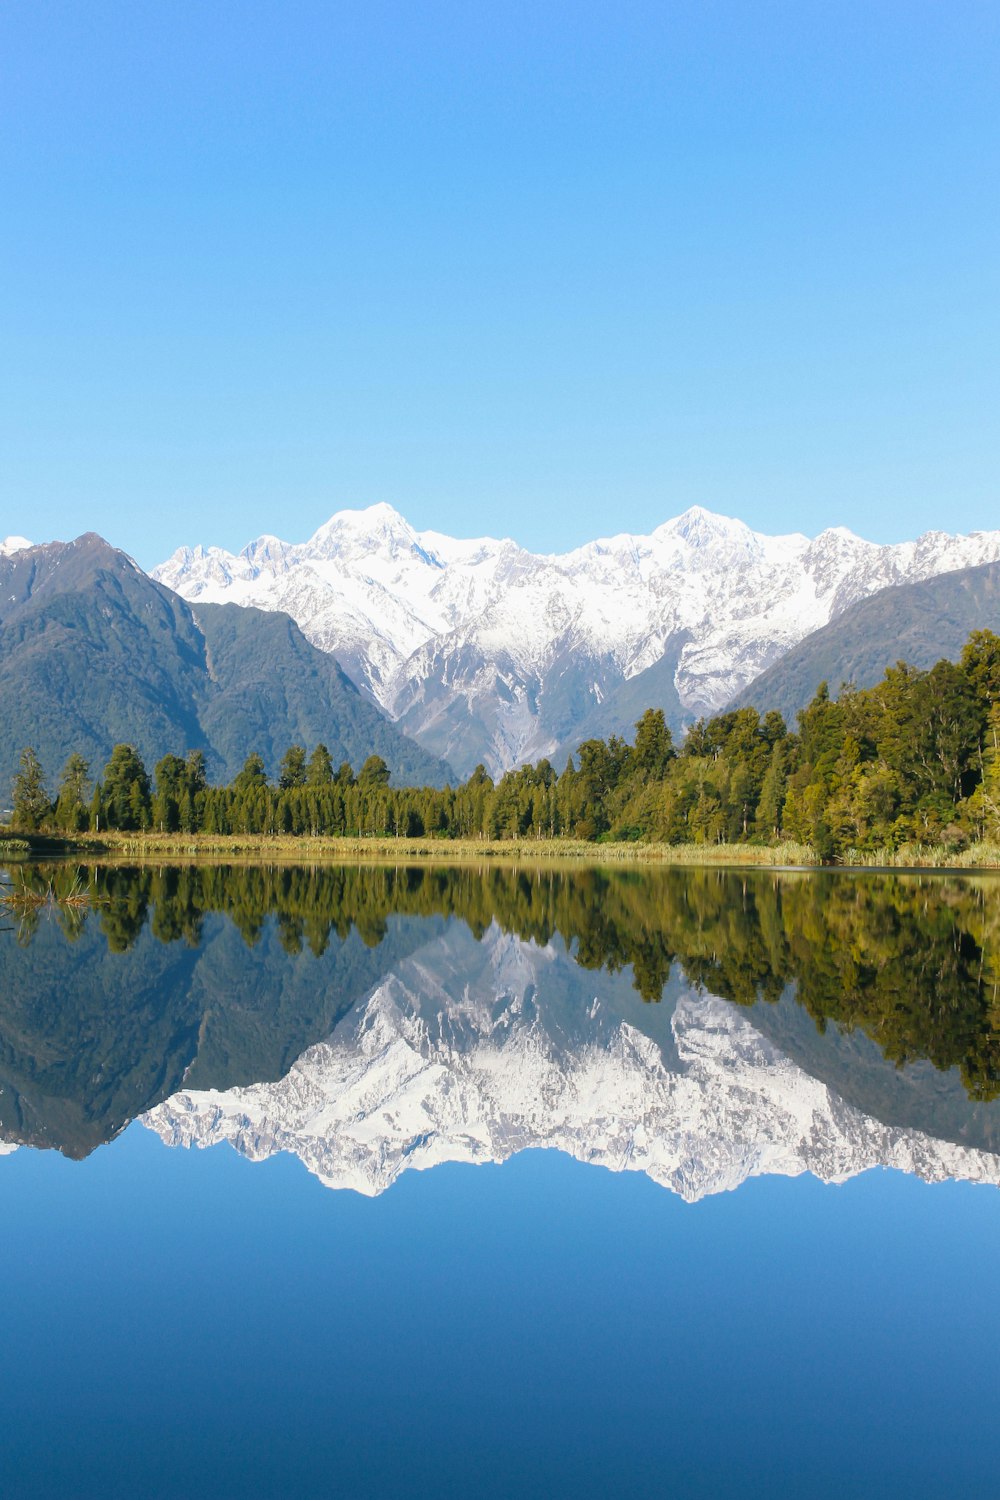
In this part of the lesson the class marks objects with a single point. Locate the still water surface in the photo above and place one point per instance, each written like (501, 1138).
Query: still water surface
(745, 1303)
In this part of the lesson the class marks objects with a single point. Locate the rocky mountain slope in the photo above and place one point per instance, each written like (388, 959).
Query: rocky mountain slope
(93, 652)
(474, 1051)
(915, 622)
(484, 651)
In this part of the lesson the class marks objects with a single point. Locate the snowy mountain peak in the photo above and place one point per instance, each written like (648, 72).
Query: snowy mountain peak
(374, 527)
(12, 544)
(700, 527)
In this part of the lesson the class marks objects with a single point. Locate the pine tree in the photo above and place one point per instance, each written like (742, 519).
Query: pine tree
(126, 789)
(31, 802)
(73, 796)
(292, 771)
(654, 745)
(374, 772)
(319, 771)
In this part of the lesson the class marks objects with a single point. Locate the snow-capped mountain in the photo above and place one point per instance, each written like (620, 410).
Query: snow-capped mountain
(471, 1052)
(12, 544)
(484, 651)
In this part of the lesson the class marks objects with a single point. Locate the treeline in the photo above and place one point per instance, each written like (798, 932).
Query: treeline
(914, 759)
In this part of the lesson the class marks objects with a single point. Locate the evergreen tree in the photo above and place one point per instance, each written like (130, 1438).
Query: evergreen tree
(252, 777)
(292, 771)
(197, 777)
(170, 775)
(374, 772)
(73, 795)
(654, 744)
(31, 802)
(319, 771)
(125, 790)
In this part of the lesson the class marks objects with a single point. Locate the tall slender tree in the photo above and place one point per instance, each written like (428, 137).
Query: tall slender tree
(31, 802)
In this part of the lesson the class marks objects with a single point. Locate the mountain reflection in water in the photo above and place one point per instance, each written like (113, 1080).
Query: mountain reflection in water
(699, 1025)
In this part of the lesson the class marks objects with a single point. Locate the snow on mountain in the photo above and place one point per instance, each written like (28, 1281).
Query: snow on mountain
(472, 1052)
(12, 544)
(485, 651)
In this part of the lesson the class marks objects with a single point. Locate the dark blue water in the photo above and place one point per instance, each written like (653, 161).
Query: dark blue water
(180, 1322)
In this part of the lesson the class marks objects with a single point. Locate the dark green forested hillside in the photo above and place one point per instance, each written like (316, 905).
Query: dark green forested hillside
(93, 653)
(916, 622)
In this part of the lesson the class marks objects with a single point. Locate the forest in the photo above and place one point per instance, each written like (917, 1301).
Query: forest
(915, 759)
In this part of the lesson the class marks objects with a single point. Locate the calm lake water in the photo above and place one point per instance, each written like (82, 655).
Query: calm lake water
(535, 1182)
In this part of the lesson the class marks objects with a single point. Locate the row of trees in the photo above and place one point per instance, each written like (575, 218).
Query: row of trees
(915, 758)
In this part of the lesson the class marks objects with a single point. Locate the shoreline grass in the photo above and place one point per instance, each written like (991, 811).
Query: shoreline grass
(303, 849)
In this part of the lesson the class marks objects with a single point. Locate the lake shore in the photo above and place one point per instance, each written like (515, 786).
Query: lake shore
(303, 849)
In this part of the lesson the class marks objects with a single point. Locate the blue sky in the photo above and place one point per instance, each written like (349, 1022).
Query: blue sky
(552, 270)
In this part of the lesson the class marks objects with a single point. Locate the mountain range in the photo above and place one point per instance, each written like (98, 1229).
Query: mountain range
(483, 651)
(93, 652)
(440, 654)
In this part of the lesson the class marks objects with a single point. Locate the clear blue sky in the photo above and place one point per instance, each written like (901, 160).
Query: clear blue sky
(545, 269)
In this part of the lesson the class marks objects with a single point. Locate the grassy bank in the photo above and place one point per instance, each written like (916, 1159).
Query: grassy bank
(981, 856)
(307, 850)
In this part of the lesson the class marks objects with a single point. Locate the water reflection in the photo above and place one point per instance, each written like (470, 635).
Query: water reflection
(372, 1019)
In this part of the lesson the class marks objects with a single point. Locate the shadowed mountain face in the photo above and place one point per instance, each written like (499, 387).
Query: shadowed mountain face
(701, 1025)
(916, 622)
(93, 653)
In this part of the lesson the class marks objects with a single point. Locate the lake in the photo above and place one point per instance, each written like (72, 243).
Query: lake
(433, 1181)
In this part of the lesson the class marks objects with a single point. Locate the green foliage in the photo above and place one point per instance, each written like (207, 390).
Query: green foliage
(31, 802)
(71, 815)
(125, 790)
(319, 771)
(292, 771)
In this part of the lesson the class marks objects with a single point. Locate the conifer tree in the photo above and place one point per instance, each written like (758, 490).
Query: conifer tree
(319, 771)
(125, 791)
(73, 795)
(31, 802)
(374, 772)
(292, 771)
